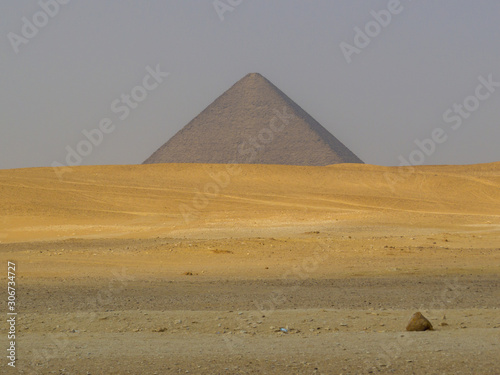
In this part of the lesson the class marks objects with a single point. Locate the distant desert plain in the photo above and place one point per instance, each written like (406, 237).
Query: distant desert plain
(252, 269)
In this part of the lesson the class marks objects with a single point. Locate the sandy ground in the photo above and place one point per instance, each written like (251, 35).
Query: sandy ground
(152, 269)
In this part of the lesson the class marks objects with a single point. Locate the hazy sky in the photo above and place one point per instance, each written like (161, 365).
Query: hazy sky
(64, 76)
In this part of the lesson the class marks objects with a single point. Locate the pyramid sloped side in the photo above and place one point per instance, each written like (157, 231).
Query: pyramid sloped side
(254, 122)
(344, 153)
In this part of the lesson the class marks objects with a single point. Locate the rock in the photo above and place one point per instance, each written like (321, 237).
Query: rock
(418, 322)
(163, 329)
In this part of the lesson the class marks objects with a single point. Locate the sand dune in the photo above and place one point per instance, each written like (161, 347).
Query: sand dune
(140, 200)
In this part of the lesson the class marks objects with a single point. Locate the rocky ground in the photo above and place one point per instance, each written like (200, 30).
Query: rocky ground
(128, 318)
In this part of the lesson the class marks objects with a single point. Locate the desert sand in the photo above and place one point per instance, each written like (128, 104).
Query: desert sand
(243, 269)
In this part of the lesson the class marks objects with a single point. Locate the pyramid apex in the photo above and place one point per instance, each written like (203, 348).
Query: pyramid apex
(253, 76)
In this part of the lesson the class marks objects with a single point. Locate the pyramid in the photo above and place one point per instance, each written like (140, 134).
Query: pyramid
(254, 122)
